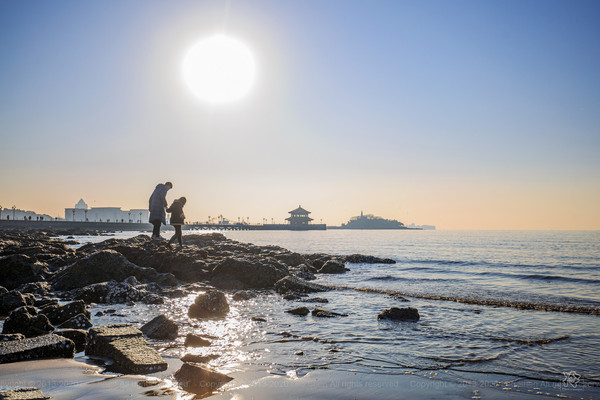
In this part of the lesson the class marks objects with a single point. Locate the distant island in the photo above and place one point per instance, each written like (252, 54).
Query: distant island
(371, 221)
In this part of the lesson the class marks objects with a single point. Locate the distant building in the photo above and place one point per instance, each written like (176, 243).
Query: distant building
(299, 216)
(22, 215)
(81, 212)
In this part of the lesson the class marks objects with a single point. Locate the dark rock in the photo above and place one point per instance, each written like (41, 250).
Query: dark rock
(39, 288)
(258, 319)
(299, 353)
(291, 259)
(25, 320)
(161, 328)
(234, 273)
(23, 394)
(36, 348)
(324, 313)
(333, 267)
(200, 380)
(359, 258)
(210, 304)
(11, 300)
(140, 250)
(192, 340)
(292, 296)
(400, 314)
(299, 311)
(242, 295)
(45, 301)
(196, 358)
(116, 293)
(78, 336)
(79, 321)
(58, 314)
(18, 269)
(317, 264)
(11, 336)
(297, 285)
(315, 300)
(103, 266)
(125, 345)
(303, 271)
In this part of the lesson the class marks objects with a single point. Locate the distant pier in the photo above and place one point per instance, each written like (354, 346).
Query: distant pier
(135, 226)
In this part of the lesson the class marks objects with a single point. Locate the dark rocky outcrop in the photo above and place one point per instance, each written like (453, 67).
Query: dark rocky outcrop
(304, 271)
(161, 328)
(292, 284)
(186, 265)
(324, 313)
(58, 314)
(192, 340)
(126, 346)
(400, 314)
(10, 301)
(360, 258)
(103, 266)
(116, 293)
(299, 311)
(333, 267)
(210, 304)
(200, 380)
(27, 321)
(39, 288)
(79, 321)
(23, 394)
(78, 336)
(236, 273)
(36, 348)
(18, 269)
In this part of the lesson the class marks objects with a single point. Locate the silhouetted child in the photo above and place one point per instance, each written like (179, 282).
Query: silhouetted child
(177, 218)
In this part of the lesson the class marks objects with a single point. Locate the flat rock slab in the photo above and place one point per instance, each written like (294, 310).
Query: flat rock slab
(200, 380)
(40, 347)
(126, 346)
(23, 394)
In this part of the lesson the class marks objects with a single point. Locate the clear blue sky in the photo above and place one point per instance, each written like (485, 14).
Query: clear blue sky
(463, 114)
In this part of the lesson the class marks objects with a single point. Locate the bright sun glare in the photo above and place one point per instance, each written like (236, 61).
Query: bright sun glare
(219, 69)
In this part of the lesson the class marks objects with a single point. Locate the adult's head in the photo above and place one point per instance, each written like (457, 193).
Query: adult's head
(169, 185)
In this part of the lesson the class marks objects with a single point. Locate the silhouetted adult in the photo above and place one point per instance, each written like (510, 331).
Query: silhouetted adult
(157, 205)
(177, 218)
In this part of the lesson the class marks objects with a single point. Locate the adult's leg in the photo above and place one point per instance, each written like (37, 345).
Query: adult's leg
(178, 233)
(156, 229)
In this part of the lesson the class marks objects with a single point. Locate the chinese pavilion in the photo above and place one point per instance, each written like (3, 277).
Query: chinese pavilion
(299, 216)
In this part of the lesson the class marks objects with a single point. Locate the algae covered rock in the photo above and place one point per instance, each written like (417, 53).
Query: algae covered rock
(210, 304)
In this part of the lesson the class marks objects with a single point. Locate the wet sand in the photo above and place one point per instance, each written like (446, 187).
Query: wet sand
(66, 379)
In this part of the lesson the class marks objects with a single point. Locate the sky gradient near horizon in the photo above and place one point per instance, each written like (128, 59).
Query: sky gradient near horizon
(462, 114)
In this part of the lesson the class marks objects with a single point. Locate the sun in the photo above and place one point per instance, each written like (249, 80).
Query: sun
(219, 69)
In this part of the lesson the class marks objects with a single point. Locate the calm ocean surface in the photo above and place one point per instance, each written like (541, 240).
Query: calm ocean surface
(484, 300)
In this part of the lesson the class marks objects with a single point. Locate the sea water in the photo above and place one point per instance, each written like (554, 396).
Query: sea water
(517, 305)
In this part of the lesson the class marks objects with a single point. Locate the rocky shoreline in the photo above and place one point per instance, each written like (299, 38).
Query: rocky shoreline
(47, 287)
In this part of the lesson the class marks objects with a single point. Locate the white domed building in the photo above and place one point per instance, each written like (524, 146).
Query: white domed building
(82, 213)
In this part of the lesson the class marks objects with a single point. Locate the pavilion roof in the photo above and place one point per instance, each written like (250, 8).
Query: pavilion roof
(299, 210)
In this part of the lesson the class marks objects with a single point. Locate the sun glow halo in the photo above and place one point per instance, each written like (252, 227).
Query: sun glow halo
(219, 69)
